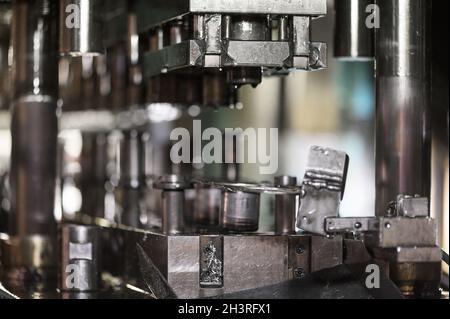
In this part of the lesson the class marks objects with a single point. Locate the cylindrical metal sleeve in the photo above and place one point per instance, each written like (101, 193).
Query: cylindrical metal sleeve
(403, 152)
(354, 39)
(207, 206)
(33, 166)
(173, 212)
(80, 27)
(80, 258)
(131, 160)
(240, 211)
(285, 207)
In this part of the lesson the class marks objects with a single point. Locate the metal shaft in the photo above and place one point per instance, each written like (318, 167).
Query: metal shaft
(173, 203)
(403, 152)
(34, 122)
(80, 27)
(354, 39)
(173, 212)
(131, 178)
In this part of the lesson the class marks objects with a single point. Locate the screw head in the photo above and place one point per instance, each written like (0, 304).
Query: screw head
(299, 273)
(300, 250)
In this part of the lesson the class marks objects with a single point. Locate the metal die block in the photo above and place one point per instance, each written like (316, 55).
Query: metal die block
(410, 254)
(412, 232)
(254, 261)
(182, 55)
(326, 252)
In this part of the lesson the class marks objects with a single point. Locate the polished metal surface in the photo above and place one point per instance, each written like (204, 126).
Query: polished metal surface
(80, 27)
(33, 171)
(403, 102)
(173, 202)
(249, 28)
(354, 37)
(240, 211)
(207, 206)
(408, 206)
(94, 176)
(129, 192)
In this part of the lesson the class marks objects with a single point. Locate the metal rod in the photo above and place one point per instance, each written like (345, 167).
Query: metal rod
(403, 152)
(34, 123)
(80, 27)
(354, 40)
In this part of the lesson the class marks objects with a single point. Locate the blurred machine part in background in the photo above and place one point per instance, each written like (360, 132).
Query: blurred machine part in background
(92, 93)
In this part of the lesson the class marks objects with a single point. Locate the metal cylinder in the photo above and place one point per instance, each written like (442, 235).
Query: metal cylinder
(283, 28)
(207, 206)
(94, 175)
(354, 39)
(240, 211)
(285, 207)
(34, 123)
(173, 186)
(80, 27)
(249, 28)
(403, 152)
(215, 90)
(173, 212)
(131, 159)
(80, 258)
(35, 47)
(131, 178)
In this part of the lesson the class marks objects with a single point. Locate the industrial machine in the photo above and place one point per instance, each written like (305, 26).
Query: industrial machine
(121, 72)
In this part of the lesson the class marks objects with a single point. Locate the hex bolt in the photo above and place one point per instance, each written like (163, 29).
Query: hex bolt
(173, 186)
